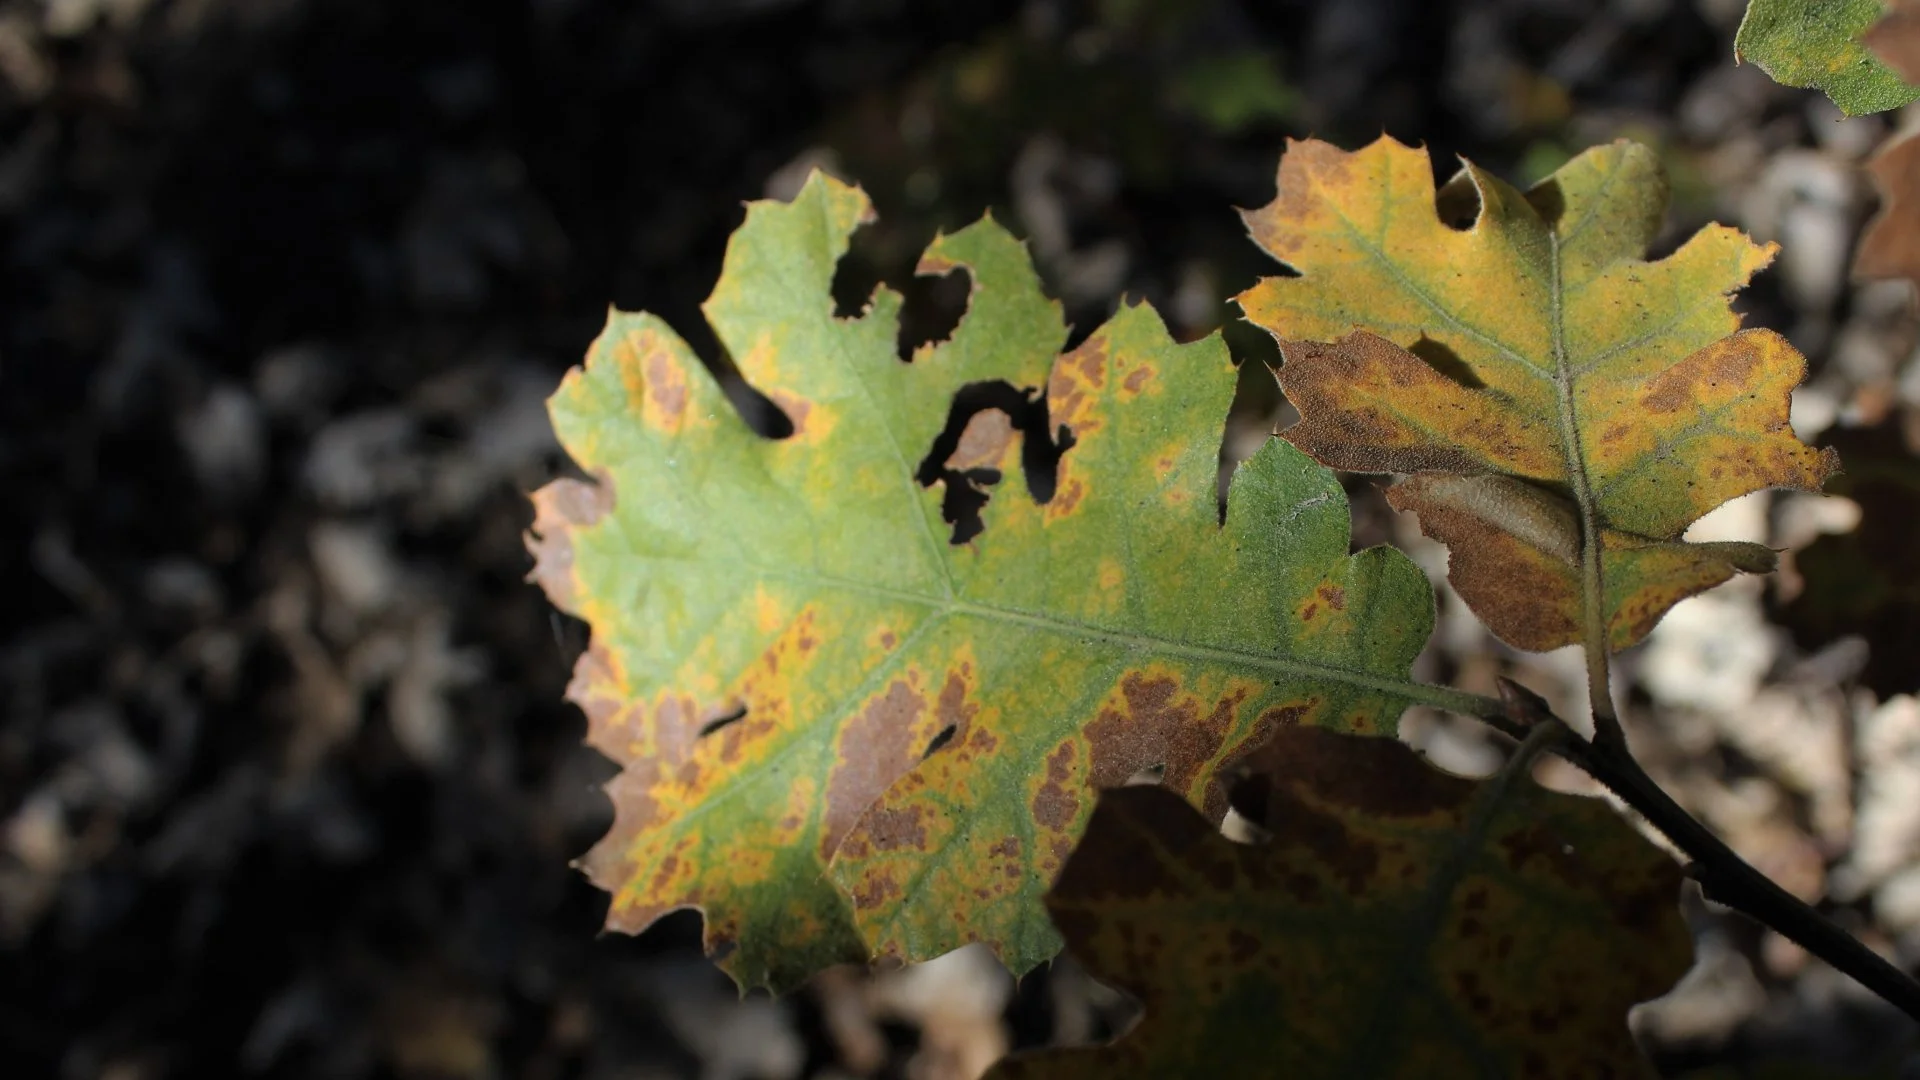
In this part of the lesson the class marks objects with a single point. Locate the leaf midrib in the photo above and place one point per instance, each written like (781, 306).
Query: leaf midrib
(1420, 932)
(1423, 693)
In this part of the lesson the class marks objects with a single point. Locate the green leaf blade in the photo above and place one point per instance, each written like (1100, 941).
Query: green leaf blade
(843, 736)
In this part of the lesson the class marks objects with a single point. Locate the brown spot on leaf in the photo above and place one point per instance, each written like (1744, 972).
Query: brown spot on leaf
(1731, 361)
(879, 743)
(1472, 995)
(663, 874)
(1136, 380)
(610, 865)
(890, 829)
(1523, 846)
(797, 409)
(1089, 363)
(666, 382)
(1056, 804)
(559, 509)
(1067, 498)
(1135, 730)
(1306, 169)
(875, 891)
(1334, 595)
(954, 710)
(598, 688)
(1074, 385)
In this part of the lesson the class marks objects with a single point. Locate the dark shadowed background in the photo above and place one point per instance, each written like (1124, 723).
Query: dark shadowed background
(287, 787)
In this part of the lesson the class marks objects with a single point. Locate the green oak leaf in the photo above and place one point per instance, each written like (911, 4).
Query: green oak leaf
(1816, 43)
(844, 736)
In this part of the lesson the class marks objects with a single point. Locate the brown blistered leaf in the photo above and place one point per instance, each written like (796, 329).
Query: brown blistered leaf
(1401, 923)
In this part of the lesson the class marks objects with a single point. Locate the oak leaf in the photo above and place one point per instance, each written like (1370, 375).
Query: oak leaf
(1819, 43)
(843, 735)
(1542, 382)
(1401, 923)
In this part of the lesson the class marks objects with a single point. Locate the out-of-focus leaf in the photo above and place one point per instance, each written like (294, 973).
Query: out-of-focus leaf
(1895, 39)
(1890, 246)
(1817, 43)
(1233, 92)
(1400, 923)
(1522, 359)
(843, 735)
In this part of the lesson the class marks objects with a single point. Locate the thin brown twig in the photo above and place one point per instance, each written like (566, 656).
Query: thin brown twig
(1723, 875)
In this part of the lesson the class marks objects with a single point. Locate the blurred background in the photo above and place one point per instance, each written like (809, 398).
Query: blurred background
(287, 787)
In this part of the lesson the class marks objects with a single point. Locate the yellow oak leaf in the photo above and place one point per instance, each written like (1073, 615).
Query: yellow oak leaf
(1555, 394)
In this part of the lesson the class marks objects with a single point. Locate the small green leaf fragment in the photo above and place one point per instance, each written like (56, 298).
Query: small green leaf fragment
(1816, 43)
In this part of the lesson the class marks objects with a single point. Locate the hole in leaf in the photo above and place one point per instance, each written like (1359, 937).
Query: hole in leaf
(1447, 362)
(1458, 202)
(966, 497)
(940, 740)
(737, 714)
(855, 278)
(1148, 776)
(1548, 201)
(932, 309)
(982, 420)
